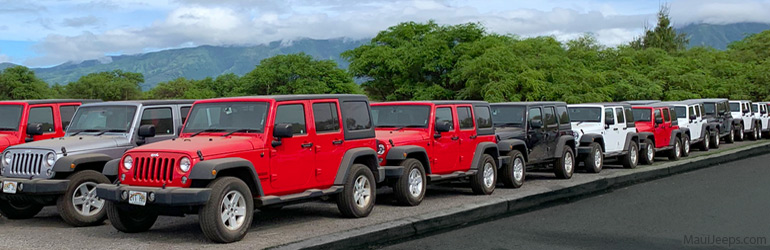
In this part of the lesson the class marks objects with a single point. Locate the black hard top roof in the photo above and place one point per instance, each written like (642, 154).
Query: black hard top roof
(685, 102)
(528, 103)
(305, 97)
(146, 102)
(48, 101)
(605, 104)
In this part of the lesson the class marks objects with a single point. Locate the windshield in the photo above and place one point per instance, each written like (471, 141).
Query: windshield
(401, 116)
(735, 107)
(585, 114)
(755, 108)
(508, 116)
(247, 117)
(102, 119)
(681, 112)
(710, 108)
(642, 115)
(11, 115)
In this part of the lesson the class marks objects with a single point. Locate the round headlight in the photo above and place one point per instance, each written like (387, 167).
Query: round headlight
(7, 158)
(184, 164)
(128, 162)
(50, 159)
(380, 149)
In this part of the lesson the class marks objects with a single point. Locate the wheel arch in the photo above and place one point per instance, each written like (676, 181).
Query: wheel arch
(205, 171)
(401, 153)
(362, 155)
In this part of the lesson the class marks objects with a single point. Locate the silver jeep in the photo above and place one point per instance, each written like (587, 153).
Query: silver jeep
(65, 171)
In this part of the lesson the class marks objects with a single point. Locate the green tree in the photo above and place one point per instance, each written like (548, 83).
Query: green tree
(109, 86)
(182, 88)
(20, 82)
(663, 36)
(296, 74)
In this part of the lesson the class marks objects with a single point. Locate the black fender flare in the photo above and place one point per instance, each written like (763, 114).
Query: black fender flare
(674, 135)
(65, 163)
(400, 153)
(685, 131)
(589, 138)
(204, 170)
(505, 146)
(737, 122)
(347, 161)
(755, 122)
(705, 127)
(480, 149)
(111, 168)
(646, 135)
(564, 140)
(631, 137)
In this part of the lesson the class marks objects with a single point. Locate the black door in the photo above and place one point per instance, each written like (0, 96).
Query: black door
(551, 130)
(536, 136)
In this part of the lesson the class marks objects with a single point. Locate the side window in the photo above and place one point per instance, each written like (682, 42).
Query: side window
(630, 117)
(293, 114)
(326, 119)
(445, 115)
(42, 115)
(184, 111)
(356, 115)
(692, 112)
(702, 111)
(465, 118)
(621, 117)
(657, 114)
(550, 116)
(534, 115)
(608, 114)
(161, 118)
(563, 115)
(666, 115)
(66, 113)
(483, 117)
(697, 109)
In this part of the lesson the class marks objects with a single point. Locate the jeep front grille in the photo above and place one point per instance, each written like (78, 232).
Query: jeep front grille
(26, 164)
(154, 169)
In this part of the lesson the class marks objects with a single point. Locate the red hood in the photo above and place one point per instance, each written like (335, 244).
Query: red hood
(208, 145)
(403, 136)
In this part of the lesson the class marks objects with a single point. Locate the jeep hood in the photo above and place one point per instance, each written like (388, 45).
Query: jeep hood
(505, 133)
(76, 143)
(400, 137)
(208, 145)
(588, 127)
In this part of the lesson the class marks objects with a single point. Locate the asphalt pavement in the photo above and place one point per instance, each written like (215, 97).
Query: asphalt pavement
(730, 200)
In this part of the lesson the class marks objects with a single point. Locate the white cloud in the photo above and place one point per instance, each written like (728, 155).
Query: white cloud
(4, 58)
(80, 21)
(720, 11)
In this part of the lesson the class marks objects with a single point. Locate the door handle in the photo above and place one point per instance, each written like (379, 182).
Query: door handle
(454, 138)
(307, 145)
(615, 129)
(474, 136)
(337, 142)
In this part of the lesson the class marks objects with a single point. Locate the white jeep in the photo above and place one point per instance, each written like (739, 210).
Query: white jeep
(691, 120)
(604, 130)
(760, 112)
(748, 125)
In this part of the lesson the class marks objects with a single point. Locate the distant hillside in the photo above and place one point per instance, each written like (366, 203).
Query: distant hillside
(6, 65)
(719, 36)
(199, 62)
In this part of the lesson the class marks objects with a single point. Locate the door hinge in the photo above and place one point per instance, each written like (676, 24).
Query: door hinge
(317, 171)
(273, 177)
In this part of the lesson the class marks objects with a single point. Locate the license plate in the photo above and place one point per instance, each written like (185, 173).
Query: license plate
(137, 198)
(9, 187)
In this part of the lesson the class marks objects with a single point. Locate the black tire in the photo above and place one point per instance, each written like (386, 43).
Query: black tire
(686, 145)
(402, 190)
(594, 161)
(508, 176)
(210, 215)
(740, 133)
(647, 155)
(715, 140)
(68, 210)
(705, 145)
(19, 209)
(730, 137)
(676, 152)
(755, 133)
(631, 158)
(561, 168)
(346, 202)
(485, 179)
(130, 219)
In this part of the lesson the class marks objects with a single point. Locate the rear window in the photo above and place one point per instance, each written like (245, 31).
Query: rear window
(642, 115)
(356, 115)
(483, 117)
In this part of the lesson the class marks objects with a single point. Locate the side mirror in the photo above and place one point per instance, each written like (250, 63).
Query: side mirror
(536, 123)
(147, 131)
(745, 111)
(443, 127)
(34, 129)
(692, 118)
(658, 120)
(283, 130)
(608, 122)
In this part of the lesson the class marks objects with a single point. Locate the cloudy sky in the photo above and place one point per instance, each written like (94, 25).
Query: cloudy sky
(50, 32)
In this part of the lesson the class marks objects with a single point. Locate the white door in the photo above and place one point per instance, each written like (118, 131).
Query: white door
(697, 124)
(611, 140)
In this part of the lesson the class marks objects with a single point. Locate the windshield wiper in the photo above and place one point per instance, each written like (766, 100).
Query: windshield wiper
(207, 130)
(580, 122)
(244, 130)
(508, 124)
(111, 130)
(85, 130)
(7, 129)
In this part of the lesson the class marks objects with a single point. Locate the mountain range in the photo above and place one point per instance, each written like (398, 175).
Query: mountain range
(211, 61)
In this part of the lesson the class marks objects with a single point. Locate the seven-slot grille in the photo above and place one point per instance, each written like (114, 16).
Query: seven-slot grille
(28, 164)
(154, 169)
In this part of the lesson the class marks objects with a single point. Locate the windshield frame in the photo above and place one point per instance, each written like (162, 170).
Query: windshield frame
(20, 116)
(71, 128)
(427, 107)
(598, 108)
(254, 130)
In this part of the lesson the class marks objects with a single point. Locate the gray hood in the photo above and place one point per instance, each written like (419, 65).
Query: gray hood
(75, 144)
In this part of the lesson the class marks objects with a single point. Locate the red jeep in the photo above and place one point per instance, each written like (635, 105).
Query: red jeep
(33, 120)
(239, 153)
(658, 131)
(440, 139)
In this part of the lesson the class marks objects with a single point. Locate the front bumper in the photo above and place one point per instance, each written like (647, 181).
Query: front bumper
(170, 196)
(36, 186)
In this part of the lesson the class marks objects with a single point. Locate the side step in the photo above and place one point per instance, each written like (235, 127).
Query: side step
(458, 174)
(310, 193)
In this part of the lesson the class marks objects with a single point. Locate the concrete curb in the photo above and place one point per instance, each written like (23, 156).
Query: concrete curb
(499, 206)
